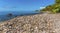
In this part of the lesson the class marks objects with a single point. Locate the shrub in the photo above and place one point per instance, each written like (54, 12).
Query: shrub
(55, 8)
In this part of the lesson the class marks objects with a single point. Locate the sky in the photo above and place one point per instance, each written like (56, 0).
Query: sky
(18, 5)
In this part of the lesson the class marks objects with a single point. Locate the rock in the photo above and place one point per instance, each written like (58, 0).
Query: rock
(39, 23)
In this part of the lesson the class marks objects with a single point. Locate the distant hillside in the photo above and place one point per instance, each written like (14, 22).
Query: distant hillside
(54, 8)
(39, 23)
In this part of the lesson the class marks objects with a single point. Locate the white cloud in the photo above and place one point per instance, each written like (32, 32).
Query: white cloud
(42, 7)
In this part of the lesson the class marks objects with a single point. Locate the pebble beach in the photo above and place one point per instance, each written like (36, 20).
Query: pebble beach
(39, 23)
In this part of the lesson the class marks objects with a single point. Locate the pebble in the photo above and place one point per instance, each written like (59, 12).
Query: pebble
(29, 24)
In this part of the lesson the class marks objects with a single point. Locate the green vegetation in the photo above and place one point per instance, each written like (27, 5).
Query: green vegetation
(55, 8)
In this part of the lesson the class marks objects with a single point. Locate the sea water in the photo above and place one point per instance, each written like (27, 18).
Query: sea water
(3, 14)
